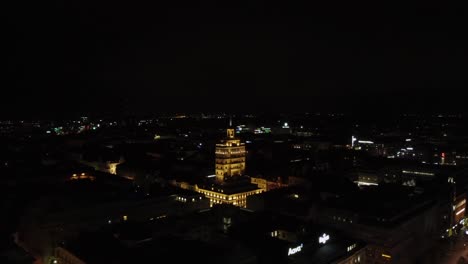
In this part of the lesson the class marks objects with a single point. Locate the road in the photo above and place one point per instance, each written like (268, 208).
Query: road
(452, 251)
(457, 252)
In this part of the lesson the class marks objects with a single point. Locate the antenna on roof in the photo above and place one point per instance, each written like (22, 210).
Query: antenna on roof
(230, 121)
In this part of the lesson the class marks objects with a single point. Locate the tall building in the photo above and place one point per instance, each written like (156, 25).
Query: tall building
(230, 186)
(230, 157)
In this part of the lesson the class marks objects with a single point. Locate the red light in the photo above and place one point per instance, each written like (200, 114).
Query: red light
(443, 154)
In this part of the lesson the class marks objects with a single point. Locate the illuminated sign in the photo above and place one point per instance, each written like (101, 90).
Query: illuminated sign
(461, 203)
(295, 250)
(324, 238)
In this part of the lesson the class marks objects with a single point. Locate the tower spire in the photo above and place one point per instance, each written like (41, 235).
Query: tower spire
(230, 129)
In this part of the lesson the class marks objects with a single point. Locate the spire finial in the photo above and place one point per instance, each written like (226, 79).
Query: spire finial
(230, 121)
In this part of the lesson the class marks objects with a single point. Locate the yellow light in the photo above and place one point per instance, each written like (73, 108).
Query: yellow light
(125, 218)
(386, 256)
(82, 174)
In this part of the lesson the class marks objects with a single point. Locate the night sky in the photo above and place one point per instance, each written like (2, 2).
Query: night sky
(116, 57)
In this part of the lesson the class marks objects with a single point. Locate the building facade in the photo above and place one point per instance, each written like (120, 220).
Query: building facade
(230, 157)
(218, 196)
(231, 185)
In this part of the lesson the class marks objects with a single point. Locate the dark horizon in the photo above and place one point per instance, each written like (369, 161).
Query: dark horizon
(118, 58)
(375, 107)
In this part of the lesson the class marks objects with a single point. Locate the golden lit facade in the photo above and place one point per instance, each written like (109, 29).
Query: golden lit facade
(230, 157)
(230, 162)
(82, 176)
(217, 196)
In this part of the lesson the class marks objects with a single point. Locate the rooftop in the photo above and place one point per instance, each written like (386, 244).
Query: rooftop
(230, 186)
(385, 205)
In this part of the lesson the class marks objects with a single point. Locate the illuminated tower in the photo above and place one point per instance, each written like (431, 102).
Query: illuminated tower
(230, 157)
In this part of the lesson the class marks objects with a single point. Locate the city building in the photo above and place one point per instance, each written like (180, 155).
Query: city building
(229, 185)
(267, 184)
(84, 204)
(200, 237)
(399, 224)
(284, 239)
(230, 157)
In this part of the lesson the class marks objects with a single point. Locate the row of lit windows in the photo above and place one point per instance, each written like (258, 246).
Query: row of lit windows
(233, 166)
(302, 146)
(418, 173)
(235, 144)
(183, 199)
(232, 154)
(238, 161)
(362, 178)
(237, 203)
(230, 167)
(225, 144)
(224, 152)
(215, 195)
(342, 219)
(231, 143)
(158, 217)
(228, 197)
(231, 158)
(228, 161)
(349, 248)
(82, 176)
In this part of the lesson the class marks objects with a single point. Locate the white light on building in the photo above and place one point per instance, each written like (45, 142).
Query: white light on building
(365, 142)
(324, 238)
